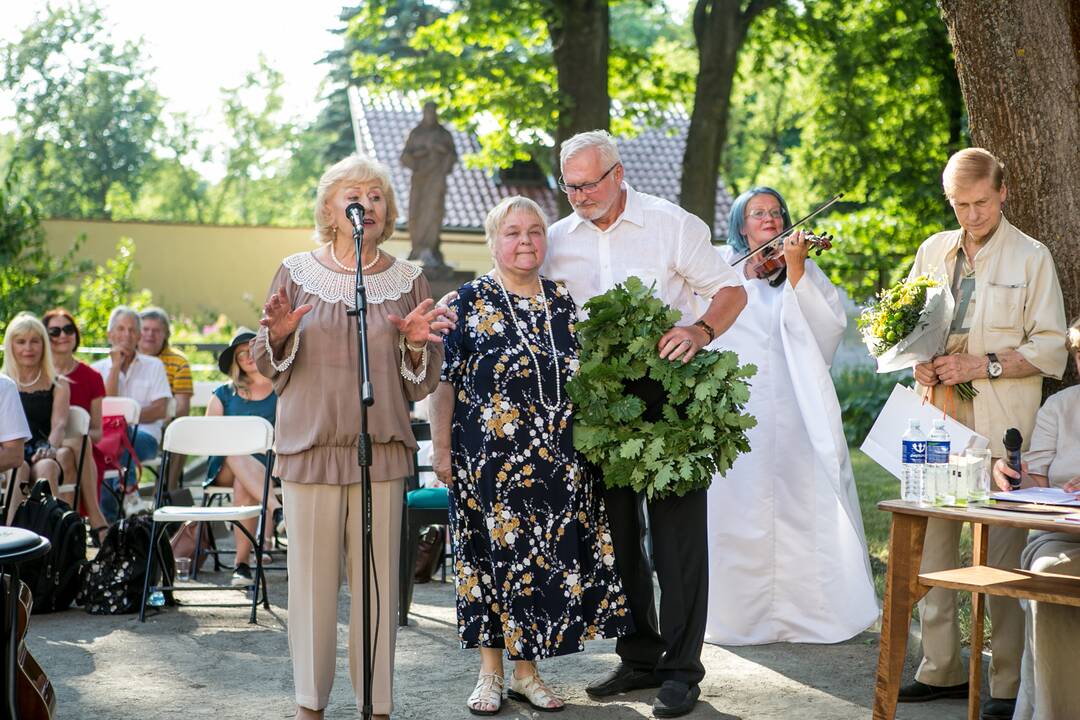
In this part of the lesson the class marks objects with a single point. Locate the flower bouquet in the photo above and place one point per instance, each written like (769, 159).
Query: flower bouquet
(908, 324)
(656, 426)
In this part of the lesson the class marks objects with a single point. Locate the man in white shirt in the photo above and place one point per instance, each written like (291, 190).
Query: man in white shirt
(616, 232)
(14, 432)
(142, 378)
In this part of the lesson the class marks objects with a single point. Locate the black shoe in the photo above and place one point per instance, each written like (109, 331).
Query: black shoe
(916, 691)
(622, 679)
(999, 709)
(241, 576)
(675, 699)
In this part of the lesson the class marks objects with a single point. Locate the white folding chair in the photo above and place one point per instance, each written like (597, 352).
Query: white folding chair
(78, 426)
(203, 391)
(231, 435)
(130, 409)
(154, 463)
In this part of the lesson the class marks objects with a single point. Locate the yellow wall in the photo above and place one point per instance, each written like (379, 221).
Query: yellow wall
(194, 268)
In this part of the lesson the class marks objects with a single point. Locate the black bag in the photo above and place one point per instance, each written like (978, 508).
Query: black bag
(114, 582)
(56, 577)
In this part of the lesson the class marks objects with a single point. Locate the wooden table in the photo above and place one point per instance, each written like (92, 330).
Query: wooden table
(904, 586)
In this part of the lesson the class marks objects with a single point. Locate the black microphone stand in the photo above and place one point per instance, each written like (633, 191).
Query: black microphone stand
(363, 458)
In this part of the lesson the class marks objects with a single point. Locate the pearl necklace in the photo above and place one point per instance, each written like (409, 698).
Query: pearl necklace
(528, 348)
(365, 268)
(32, 383)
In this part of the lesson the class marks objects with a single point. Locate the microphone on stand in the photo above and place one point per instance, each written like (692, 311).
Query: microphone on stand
(1012, 441)
(355, 213)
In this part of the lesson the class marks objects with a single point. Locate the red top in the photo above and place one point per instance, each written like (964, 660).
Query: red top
(86, 385)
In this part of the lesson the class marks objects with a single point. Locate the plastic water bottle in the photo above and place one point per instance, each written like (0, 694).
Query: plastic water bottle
(940, 485)
(156, 599)
(913, 459)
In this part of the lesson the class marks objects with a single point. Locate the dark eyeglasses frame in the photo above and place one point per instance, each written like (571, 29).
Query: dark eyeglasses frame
(586, 188)
(54, 332)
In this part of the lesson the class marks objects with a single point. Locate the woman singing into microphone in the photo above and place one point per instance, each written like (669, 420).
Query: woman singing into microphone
(307, 346)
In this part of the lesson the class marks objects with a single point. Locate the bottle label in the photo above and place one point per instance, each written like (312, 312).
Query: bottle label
(937, 451)
(914, 451)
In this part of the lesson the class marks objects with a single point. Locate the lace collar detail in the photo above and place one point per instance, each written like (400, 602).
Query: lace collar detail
(335, 287)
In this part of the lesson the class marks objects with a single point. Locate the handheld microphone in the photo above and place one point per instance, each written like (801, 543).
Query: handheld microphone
(355, 213)
(1013, 440)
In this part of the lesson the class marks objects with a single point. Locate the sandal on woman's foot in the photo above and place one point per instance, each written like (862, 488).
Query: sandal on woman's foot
(486, 698)
(533, 690)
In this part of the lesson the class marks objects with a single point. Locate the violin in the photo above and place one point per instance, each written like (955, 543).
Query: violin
(771, 260)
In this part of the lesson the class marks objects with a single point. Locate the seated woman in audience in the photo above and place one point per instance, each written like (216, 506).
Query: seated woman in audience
(1048, 687)
(249, 393)
(87, 390)
(13, 431)
(45, 399)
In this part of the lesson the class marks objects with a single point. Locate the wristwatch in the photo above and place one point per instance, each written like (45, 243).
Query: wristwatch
(993, 367)
(707, 328)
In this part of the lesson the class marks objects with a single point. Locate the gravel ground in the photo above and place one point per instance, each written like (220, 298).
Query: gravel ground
(210, 663)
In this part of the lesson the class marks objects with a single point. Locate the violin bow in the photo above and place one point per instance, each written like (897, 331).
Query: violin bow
(791, 229)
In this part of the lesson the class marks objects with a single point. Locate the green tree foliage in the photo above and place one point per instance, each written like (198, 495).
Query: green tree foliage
(860, 98)
(490, 67)
(85, 110)
(273, 164)
(30, 278)
(108, 286)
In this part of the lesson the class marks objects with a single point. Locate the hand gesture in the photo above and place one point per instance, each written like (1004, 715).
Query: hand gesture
(959, 368)
(796, 249)
(279, 319)
(440, 464)
(1002, 472)
(1073, 485)
(925, 374)
(424, 324)
(681, 343)
(450, 316)
(120, 356)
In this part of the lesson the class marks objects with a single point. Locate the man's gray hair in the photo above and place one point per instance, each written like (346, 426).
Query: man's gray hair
(601, 140)
(159, 314)
(124, 311)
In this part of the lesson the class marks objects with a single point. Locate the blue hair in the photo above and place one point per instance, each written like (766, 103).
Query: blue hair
(737, 218)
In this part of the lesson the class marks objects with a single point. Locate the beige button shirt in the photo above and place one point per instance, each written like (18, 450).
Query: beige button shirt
(653, 239)
(1019, 307)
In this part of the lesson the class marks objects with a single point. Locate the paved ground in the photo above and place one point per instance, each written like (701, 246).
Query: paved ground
(209, 663)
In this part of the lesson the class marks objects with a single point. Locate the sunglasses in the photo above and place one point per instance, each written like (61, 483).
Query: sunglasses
(68, 329)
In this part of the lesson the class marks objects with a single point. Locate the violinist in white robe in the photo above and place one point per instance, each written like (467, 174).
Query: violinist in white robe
(787, 553)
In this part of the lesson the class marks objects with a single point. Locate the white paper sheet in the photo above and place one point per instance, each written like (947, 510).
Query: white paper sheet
(882, 444)
(1039, 495)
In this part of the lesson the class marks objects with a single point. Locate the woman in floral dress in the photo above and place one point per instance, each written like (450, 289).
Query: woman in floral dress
(535, 570)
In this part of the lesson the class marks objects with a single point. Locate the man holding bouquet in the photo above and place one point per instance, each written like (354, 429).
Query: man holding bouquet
(616, 232)
(1007, 333)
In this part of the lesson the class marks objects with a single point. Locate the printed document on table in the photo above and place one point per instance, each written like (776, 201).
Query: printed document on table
(1040, 495)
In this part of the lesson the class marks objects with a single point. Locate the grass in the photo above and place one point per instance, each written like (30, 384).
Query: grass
(874, 485)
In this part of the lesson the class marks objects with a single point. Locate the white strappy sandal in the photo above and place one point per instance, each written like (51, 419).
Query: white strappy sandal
(535, 691)
(486, 694)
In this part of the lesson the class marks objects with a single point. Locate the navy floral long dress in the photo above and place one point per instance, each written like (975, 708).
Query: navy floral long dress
(535, 569)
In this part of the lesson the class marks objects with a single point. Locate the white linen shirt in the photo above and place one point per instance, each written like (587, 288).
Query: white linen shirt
(12, 418)
(653, 239)
(145, 381)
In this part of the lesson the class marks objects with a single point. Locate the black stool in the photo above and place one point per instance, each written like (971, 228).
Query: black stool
(16, 547)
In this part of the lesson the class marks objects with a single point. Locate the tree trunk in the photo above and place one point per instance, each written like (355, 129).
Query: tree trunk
(1019, 68)
(719, 28)
(580, 38)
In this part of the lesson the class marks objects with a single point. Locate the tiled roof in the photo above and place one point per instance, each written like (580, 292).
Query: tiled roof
(653, 162)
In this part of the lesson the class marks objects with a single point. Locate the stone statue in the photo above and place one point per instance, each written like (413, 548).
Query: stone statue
(429, 152)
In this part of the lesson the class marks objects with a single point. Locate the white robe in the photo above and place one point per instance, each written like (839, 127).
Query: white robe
(787, 553)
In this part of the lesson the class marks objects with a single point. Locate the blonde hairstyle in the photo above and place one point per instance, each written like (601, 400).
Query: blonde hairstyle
(968, 167)
(1072, 336)
(241, 380)
(498, 214)
(25, 324)
(353, 169)
(601, 140)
